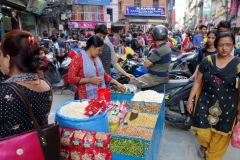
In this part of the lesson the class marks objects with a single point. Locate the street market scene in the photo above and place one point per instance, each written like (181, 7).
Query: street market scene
(119, 80)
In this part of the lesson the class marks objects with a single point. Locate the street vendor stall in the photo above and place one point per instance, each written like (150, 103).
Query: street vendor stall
(136, 127)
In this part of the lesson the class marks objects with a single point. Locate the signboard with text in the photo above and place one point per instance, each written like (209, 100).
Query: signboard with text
(145, 11)
(83, 24)
(96, 2)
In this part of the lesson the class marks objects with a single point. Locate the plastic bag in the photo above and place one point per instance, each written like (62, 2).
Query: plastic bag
(236, 136)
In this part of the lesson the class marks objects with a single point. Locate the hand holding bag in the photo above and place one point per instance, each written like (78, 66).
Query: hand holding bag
(39, 144)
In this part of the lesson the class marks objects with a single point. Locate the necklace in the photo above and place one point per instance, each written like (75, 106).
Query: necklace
(39, 82)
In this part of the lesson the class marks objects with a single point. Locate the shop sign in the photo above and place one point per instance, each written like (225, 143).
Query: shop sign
(238, 22)
(171, 4)
(83, 24)
(95, 2)
(28, 23)
(145, 11)
(36, 6)
(207, 7)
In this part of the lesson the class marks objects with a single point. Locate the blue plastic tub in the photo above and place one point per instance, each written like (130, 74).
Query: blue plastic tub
(98, 123)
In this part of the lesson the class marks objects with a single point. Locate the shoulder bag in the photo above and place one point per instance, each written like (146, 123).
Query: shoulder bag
(188, 46)
(39, 144)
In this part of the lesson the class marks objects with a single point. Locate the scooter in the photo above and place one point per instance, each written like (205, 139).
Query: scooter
(177, 93)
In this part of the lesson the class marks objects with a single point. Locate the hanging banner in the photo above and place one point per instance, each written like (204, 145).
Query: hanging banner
(234, 8)
(207, 7)
(171, 4)
(36, 6)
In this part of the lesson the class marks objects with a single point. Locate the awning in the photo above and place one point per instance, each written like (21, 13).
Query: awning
(14, 3)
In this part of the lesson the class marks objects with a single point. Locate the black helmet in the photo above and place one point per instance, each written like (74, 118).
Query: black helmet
(159, 32)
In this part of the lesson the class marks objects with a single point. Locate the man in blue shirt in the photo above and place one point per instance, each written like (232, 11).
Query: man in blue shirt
(199, 37)
(61, 40)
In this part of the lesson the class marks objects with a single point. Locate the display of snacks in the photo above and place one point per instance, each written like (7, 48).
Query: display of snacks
(84, 145)
(135, 132)
(131, 147)
(145, 107)
(142, 120)
(148, 96)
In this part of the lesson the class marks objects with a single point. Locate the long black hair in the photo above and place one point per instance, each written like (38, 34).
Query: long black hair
(214, 31)
(94, 41)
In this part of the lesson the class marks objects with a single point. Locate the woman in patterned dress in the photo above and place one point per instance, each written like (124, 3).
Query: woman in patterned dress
(216, 110)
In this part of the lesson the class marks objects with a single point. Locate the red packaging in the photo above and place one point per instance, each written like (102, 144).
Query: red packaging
(66, 138)
(102, 141)
(75, 156)
(100, 156)
(87, 156)
(95, 106)
(60, 131)
(88, 142)
(64, 154)
(77, 141)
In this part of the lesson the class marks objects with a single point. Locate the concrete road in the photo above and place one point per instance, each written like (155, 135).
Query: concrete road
(176, 144)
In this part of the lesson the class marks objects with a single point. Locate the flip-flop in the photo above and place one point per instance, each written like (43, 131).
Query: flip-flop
(201, 152)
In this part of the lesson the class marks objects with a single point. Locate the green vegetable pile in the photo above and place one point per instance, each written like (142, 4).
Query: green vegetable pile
(129, 147)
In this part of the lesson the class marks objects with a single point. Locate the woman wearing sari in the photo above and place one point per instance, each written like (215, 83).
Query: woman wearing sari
(87, 73)
(216, 111)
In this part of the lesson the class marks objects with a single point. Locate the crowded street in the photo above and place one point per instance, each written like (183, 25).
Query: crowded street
(119, 79)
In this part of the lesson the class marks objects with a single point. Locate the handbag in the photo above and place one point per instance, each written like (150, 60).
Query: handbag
(38, 144)
(188, 46)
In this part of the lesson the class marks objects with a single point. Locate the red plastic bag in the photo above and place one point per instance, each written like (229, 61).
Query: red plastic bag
(96, 106)
(77, 141)
(236, 136)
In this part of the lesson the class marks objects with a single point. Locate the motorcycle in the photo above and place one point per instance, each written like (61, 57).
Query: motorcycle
(56, 70)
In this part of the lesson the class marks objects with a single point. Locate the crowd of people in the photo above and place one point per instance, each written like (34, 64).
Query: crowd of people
(216, 85)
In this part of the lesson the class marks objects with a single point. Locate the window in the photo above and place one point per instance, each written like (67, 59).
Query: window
(110, 12)
(155, 3)
(87, 13)
(120, 6)
(137, 2)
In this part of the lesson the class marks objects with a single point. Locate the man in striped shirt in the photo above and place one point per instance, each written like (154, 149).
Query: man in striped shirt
(157, 62)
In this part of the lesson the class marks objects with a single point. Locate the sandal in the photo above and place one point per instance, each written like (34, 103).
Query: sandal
(201, 152)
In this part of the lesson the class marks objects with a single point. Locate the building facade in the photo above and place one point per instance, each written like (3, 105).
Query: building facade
(142, 14)
(211, 12)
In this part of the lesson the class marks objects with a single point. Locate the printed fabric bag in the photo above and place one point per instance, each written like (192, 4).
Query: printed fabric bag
(39, 144)
(236, 136)
(188, 46)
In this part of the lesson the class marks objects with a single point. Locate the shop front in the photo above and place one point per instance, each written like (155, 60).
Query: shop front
(85, 17)
(143, 18)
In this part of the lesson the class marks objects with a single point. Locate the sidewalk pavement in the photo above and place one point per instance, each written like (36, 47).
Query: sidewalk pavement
(176, 144)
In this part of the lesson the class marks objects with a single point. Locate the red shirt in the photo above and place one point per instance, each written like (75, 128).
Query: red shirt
(150, 38)
(76, 72)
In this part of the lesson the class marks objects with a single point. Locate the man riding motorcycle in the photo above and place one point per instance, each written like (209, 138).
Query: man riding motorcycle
(157, 62)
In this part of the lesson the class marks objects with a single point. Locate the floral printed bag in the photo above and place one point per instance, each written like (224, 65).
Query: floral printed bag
(236, 136)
